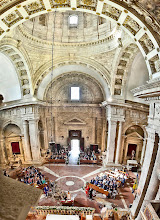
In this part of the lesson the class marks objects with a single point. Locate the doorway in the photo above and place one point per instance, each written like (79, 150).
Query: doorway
(75, 151)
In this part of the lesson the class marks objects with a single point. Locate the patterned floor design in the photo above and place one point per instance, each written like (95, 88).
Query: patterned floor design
(79, 174)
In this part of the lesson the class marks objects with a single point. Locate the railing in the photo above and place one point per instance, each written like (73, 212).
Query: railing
(63, 210)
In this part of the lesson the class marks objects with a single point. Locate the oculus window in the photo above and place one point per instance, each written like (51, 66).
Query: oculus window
(73, 21)
(75, 93)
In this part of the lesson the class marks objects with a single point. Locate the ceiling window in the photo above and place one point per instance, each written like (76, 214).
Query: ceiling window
(73, 21)
(75, 93)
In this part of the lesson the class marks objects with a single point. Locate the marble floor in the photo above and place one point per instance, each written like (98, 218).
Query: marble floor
(74, 177)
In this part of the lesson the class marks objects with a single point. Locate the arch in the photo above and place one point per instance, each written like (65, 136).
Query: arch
(68, 68)
(10, 83)
(125, 57)
(8, 122)
(135, 124)
(81, 80)
(132, 17)
(9, 48)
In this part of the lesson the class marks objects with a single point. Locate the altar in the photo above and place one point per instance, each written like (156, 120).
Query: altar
(131, 164)
(62, 217)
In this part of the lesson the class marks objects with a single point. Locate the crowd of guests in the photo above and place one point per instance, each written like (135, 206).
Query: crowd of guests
(110, 182)
(32, 175)
(90, 155)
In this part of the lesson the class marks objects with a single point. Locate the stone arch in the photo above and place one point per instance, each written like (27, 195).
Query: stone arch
(134, 137)
(20, 64)
(8, 122)
(13, 147)
(87, 66)
(131, 16)
(126, 55)
(63, 82)
(125, 128)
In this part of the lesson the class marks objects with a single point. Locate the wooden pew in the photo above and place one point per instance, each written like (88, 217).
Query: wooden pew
(88, 161)
(55, 160)
(98, 189)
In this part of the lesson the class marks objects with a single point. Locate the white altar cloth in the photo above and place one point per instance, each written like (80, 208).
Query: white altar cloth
(62, 217)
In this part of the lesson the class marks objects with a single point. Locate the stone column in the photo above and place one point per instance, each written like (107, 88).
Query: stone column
(145, 169)
(119, 143)
(111, 141)
(143, 151)
(153, 183)
(34, 140)
(26, 143)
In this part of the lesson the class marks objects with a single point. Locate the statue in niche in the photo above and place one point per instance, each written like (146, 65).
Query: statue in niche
(133, 154)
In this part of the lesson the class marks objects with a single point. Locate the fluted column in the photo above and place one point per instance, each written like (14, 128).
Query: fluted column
(145, 170)
(153, 183)
(119, 143)
(111, 141)
(143, 151)
(26, 142)
(34, 140)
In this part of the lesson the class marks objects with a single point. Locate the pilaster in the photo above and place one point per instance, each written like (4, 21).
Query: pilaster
(34, 140)
(119, 143)
(112, 125)
(26, 143)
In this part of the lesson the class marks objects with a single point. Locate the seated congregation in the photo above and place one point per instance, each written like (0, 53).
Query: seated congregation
(108, 183)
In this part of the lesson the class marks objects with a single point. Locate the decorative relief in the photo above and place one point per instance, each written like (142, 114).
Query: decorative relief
(111, 12)
(1, 31)
(122, 68)
(34, 7)
(88, 4)
(153, 6)
(4, 3)
(146, 43)
(131, 25)
(12, 18)
(117, 91)
(26, 91)
(118, 82)
(155, 64)
(59, 3)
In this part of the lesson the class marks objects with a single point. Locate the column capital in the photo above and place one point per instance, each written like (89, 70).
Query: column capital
(112, 121)
(25, 122)
(33, 120)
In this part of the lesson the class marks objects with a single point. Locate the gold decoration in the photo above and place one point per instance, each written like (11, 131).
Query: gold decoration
(11, 17)
(60, 1)
(87, 2)
(33, 6)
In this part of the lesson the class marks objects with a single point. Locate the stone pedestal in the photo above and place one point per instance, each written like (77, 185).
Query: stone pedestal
(111, 141)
